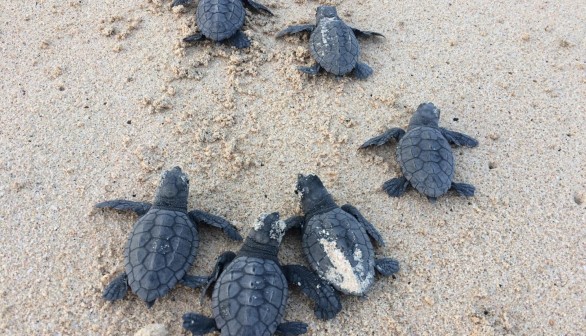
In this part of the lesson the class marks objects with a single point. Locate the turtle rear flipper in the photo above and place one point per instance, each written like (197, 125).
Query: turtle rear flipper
(393, 133)
(458, 139)
(200, 217)
(386, 266)
(327, 301)
(199, 324)
(464, 189)
(291, 328)
(223, 260)
(296, 29)
(180, 2)
(362, 71)
(370, 229)
(312, 70)
(239, 40)
(140, 208)
(396, 187)
(193, 281)
(194, 38)
(117, 288)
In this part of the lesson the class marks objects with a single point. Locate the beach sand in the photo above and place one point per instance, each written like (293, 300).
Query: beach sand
(98, 98)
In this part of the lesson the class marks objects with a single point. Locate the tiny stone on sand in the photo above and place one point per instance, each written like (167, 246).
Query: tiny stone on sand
(153, 330)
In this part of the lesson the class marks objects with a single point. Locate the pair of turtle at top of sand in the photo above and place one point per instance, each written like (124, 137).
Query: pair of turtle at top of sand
(251, 293)
(332, 43)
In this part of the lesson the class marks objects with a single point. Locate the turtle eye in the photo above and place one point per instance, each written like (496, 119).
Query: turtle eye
(296, 192)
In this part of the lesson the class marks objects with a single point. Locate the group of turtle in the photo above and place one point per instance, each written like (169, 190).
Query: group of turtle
(250, 288)
(332, 42)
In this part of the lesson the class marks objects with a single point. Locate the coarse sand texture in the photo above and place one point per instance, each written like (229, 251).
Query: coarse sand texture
(98, 98)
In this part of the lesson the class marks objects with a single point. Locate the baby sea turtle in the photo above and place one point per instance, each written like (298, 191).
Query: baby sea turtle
(221, 20)
(333, 44)
(251, 292)
(425, 155)
(163, 243)
(336, 240)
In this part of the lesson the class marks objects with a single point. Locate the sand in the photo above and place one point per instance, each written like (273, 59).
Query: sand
(99, 97)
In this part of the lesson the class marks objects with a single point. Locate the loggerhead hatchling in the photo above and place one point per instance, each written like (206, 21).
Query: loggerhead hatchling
(333, 44)
(250, 293)
(425, 155)
(336, 240)
(221, 20)
(163, 243)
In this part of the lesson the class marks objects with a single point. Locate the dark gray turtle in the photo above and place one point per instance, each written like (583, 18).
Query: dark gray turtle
(336, 240)
(333, 44)
(425, 155)
(221, 20)
(251, 291)
(163, 243)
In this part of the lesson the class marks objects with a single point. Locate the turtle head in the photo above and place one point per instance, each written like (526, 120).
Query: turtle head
(268, 230)
(325, 12)
(173, 190)
(312, 192)
(426, 115)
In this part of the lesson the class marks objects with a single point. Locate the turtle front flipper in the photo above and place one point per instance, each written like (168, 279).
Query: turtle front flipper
(396, 187)
(291, 328)
(362, 71)
(327, 301)
(295, 29)
(458, 139)
(386, 266)
(199, 324)
(202, 217)
(223, 260)
(117, 288)
(464, 189)
(140, 208)
(393, 133)
(238, 40)
(365, 33)
(370, 229)
(312, 70)
(256, 6)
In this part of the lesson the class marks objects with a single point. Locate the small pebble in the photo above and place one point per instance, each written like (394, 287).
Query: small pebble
(153, 330)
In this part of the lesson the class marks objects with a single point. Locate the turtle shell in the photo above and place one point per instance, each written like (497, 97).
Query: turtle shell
(339, 250)
(250, 297)
(334, 46)
(426, 160)
(220, 19)
(160, 250)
